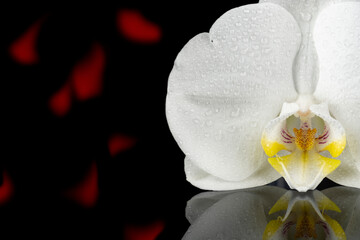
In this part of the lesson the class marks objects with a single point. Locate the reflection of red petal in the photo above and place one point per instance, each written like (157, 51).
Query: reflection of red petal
(87, 75)
(118, 143)
(87, 191)
(148, 232)
(135, 27)
(23, 49)
(60, 102)
(6, 189)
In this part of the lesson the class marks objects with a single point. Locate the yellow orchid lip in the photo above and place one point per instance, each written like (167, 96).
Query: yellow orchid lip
(304, 167)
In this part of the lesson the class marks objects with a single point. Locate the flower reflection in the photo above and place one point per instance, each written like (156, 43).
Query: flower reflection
(274, 213)
(303, 218)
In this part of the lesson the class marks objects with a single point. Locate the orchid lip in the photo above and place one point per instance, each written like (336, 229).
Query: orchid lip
(305, 166)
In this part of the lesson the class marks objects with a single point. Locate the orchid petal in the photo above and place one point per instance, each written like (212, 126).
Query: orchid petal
(221, 86)
(203, 180)
(336, 36)
(347, 173)
(305, 66)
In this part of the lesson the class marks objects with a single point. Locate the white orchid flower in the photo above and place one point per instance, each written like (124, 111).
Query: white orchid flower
(273, 213)
(280, 79)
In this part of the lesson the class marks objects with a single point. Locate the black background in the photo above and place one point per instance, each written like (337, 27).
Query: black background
(45, 154)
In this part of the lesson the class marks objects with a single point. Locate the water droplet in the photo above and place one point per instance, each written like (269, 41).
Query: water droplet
(264, 40)
(219, 136)
(235, 113)
(209, 123)
(306, 16)
(232, 128)
(208, 113)
(235, 48)
(266, 50)
(347, 43)
(258, 67)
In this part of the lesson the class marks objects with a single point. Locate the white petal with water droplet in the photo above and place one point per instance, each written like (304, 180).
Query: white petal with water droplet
(337, 39)
(201, 179)
(305, 67)
(347, 173)
(226, 85)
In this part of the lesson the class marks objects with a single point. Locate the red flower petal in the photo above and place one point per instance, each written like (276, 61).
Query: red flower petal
(87, 191)
(87, 75)
(118, 143)
(147, 232)
(135, 27)
(6, 189)
(60, 102)
(23, 50)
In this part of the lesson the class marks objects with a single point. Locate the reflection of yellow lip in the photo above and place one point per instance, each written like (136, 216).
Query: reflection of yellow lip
(303, 212)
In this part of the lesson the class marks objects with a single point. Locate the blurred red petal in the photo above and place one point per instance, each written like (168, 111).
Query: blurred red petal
(134, 26)
(87, 75)
(6, 189)
(86, 192)
(60, 101)
(23, 50)
(147, 232)
(118, 143)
